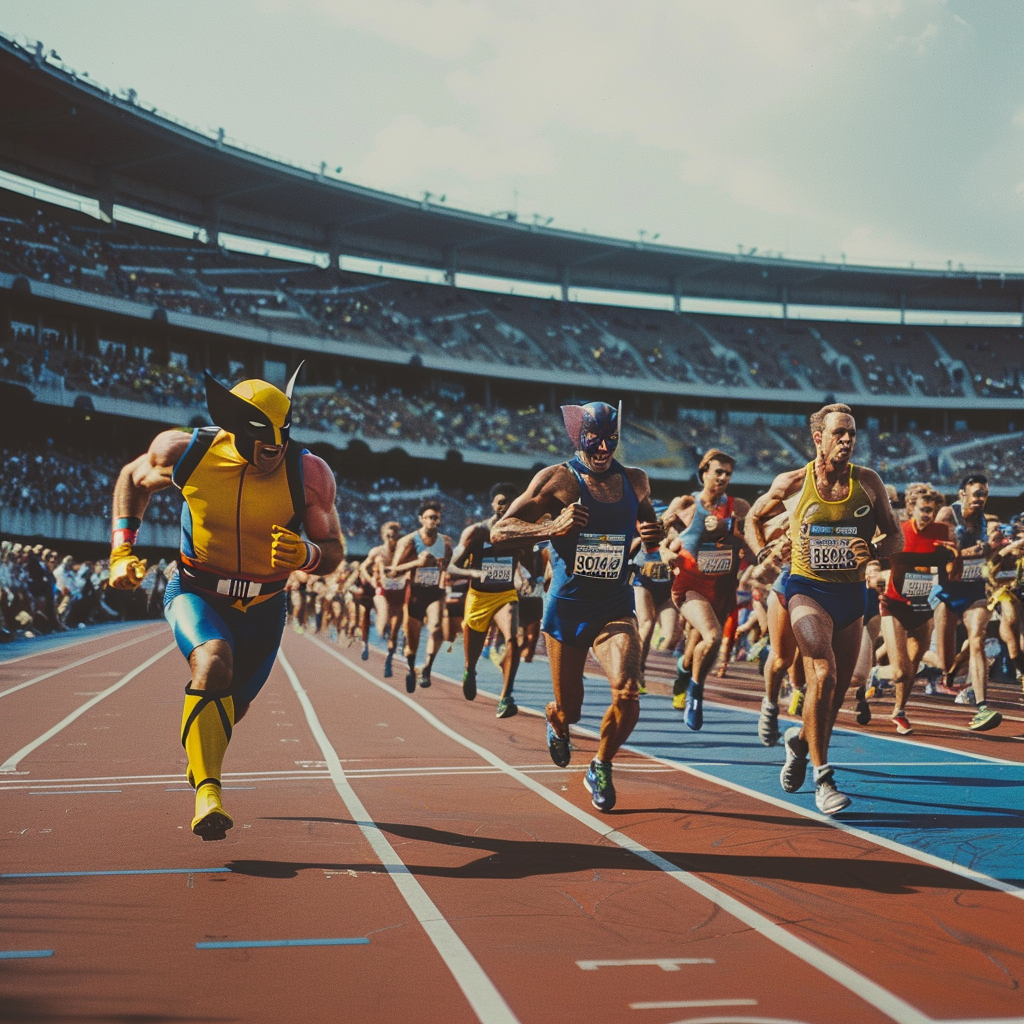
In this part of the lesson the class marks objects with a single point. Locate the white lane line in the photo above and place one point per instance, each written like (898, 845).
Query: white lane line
(860, 985)
(479, 990)
(73, 664)
(11, 764)
(686, 1004)
(666, 964)
(65, 645)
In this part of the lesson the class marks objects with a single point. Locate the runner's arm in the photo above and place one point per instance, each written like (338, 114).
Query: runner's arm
(321, 523)
(553, 492)
(769, 505)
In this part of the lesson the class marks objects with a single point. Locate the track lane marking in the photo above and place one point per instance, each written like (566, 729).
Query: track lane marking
(858, 984)
(75, 642)
(81, 661)
(483, 996)
(11, 764)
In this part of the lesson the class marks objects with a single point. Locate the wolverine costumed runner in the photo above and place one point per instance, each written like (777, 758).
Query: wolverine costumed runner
(247, 492)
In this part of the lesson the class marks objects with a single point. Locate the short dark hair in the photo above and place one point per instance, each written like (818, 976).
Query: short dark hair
(973, 478)
(711, 455)
(509, 490)
(430, 503)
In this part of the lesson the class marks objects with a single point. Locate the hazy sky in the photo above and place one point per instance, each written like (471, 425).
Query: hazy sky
(886, 130)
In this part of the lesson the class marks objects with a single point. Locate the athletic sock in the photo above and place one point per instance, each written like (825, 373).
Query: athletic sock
(821, 770)
(206, 724)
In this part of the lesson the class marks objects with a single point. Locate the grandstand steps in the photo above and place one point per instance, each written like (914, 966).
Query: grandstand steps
(948, 455)
(622, 346)
(840, 362)
(951, 364)
(728, 357)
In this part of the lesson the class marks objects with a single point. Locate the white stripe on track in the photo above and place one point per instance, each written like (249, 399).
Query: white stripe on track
(11, 764)
(76, 641)
(860, 985)
(479, 990)
(73, 664)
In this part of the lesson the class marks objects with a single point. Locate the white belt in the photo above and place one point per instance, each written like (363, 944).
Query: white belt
(243, 589)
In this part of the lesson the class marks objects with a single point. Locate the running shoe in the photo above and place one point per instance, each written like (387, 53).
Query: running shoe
(679, 701)
(559, 748)
(903, 726)
(985, 719)
(827, 798)
(469, 684)
(642, 685)
(965, 696)
(506, 708)
(366, 652)
(388, 672)
(693, 711)
(497, 655)
(863, 708)
(794, 771)
(598, 781)
(424, 677)
(410, 681)
(796, 703)
(682, 680)
(768, 723)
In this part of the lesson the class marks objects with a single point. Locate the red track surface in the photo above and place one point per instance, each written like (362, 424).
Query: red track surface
(498, 890)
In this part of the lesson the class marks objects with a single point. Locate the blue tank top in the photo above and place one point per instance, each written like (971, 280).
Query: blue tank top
(697, 532)
(969, 537)
(593, 563)
(431, 575)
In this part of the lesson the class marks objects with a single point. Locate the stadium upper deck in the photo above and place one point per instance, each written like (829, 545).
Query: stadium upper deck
(63, 130)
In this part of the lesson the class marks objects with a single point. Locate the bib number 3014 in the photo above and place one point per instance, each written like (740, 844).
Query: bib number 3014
(600, 556)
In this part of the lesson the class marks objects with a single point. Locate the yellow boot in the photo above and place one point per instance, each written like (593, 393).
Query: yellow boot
(206, 724)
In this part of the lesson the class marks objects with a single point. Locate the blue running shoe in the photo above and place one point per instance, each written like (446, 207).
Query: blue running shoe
(559, 748)
(388, 672)
(599, 781)
(693, 712)
(366, 653)
(410, 681)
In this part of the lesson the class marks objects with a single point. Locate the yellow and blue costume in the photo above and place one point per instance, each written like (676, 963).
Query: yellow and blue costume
(226, 587)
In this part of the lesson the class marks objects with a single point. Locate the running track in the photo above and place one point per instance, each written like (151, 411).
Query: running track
(403, 858)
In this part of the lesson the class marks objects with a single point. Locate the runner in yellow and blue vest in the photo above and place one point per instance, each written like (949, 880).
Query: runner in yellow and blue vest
(240, 480)
(839, 509)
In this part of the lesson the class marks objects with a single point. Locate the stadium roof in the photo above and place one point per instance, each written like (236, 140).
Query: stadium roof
(62, 130)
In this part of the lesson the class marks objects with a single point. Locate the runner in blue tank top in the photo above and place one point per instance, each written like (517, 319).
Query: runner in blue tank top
(590, 509)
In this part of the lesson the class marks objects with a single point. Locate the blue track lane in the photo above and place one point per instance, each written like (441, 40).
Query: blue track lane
(959, 808)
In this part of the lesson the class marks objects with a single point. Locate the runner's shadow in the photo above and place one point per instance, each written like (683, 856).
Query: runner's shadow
(510, 859)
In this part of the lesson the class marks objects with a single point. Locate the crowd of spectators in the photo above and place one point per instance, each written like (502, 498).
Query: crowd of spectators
(43, 591)
(188, 276)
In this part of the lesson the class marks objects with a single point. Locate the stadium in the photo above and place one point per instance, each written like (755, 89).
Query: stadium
(395, 853)
(108, 326)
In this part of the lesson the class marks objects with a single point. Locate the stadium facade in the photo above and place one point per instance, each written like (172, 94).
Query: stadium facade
(108, 326)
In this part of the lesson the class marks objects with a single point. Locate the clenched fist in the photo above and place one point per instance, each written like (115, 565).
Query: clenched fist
(289, 551)
(126, 570)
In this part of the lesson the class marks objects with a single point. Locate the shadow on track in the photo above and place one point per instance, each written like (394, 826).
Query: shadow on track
(515, 859)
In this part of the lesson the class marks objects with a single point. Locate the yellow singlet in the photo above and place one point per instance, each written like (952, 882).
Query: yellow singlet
(822, 532)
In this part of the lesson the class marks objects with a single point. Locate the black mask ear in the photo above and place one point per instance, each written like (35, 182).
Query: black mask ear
(295, 377)
(231, 413)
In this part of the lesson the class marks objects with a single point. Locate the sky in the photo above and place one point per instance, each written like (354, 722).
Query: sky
(871, 131)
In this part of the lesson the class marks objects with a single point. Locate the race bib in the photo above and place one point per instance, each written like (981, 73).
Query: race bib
(714, 561)
(917, 584)
(497, 570)
(393, 583)
(600, 556)
(972, 569)
(427, 577)
(830, 548)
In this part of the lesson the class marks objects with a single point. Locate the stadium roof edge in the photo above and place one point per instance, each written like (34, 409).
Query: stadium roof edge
(70, 133)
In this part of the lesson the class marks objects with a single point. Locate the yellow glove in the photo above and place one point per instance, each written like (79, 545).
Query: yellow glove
(126, 570)
(289, 551)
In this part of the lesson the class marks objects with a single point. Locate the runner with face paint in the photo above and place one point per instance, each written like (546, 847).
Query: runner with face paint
(838, 508)
(595, 508)
(247, 492)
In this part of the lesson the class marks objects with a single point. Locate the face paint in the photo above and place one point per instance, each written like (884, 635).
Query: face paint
(590, 425)
(252, 411)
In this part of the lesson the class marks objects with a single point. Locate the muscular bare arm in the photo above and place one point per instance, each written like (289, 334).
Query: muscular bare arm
(770, 504)
(885, 519)
(648, 524)
(321, 517)
(554, 492)
(149, 473)
(470, 539)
